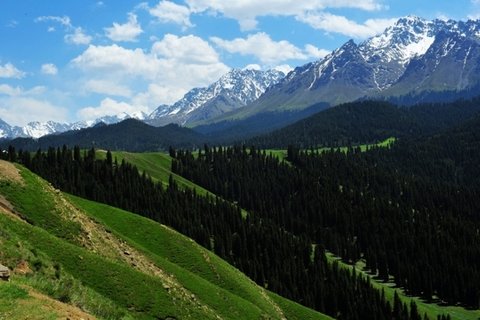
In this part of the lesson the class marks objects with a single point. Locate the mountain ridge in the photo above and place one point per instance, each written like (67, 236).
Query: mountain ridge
(130, 134)
(386, 66)
(38, 129)
(233, 90)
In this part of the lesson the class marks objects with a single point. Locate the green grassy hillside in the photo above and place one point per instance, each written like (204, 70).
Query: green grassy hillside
(156, 164)
(282, 153)
(431, 309)
(113, 264)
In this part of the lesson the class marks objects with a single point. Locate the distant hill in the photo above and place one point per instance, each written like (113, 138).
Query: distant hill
(235, 130)
(369, 121)
(130, 135)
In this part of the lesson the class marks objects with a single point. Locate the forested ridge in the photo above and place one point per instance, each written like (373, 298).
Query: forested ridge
(264, 249)
(423, 233)
(411, 212)
(368, 122)
(130, 134)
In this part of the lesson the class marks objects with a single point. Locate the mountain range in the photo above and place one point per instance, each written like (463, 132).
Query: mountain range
(414, 57)
(415, 60)
(129, 134)
(36, 129)
(234, 90)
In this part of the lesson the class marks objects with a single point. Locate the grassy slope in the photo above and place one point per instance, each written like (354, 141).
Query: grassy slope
(161, 243)
(16, 303)
(108, 288)
(119, 282)
(156, 164)
(432, 310)
(282, 153)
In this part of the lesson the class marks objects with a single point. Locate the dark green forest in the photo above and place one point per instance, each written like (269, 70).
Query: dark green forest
(411, 212)
(368, 122)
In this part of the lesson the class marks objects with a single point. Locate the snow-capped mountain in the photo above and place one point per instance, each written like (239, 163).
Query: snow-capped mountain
(413, 58)
(36, 129)
(233, 90)
(5, 129)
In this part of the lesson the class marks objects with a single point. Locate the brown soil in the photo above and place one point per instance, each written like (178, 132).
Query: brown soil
(22, 268)
(62, 310)
(9, 172)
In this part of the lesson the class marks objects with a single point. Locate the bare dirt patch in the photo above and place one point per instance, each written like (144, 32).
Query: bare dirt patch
(62, 310)
(22, 268)
(8, 171)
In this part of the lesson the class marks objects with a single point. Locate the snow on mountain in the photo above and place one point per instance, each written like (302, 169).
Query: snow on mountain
(5, 129)
(233, 90)
(412, 56)
(36, 129)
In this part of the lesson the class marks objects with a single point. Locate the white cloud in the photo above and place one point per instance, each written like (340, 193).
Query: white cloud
(170, 12)
(285, 68)
(163, 74)
(21, 110)
(108, 106)
(340, 24)
(19, 106)
(246, 11)
(12, 24)
(125, 32)
(8, 70)
(267, 50)
(8, 90)
(156, 95)
(11, 91)
(75, 35)
(108, 88)
(187, 49)
(253, 66)
(78, 37)
(49, 68)
(117, 60)
(65, 20)
(315, 52)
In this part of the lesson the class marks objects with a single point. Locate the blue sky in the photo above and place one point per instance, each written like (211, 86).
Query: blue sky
(78, 59)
